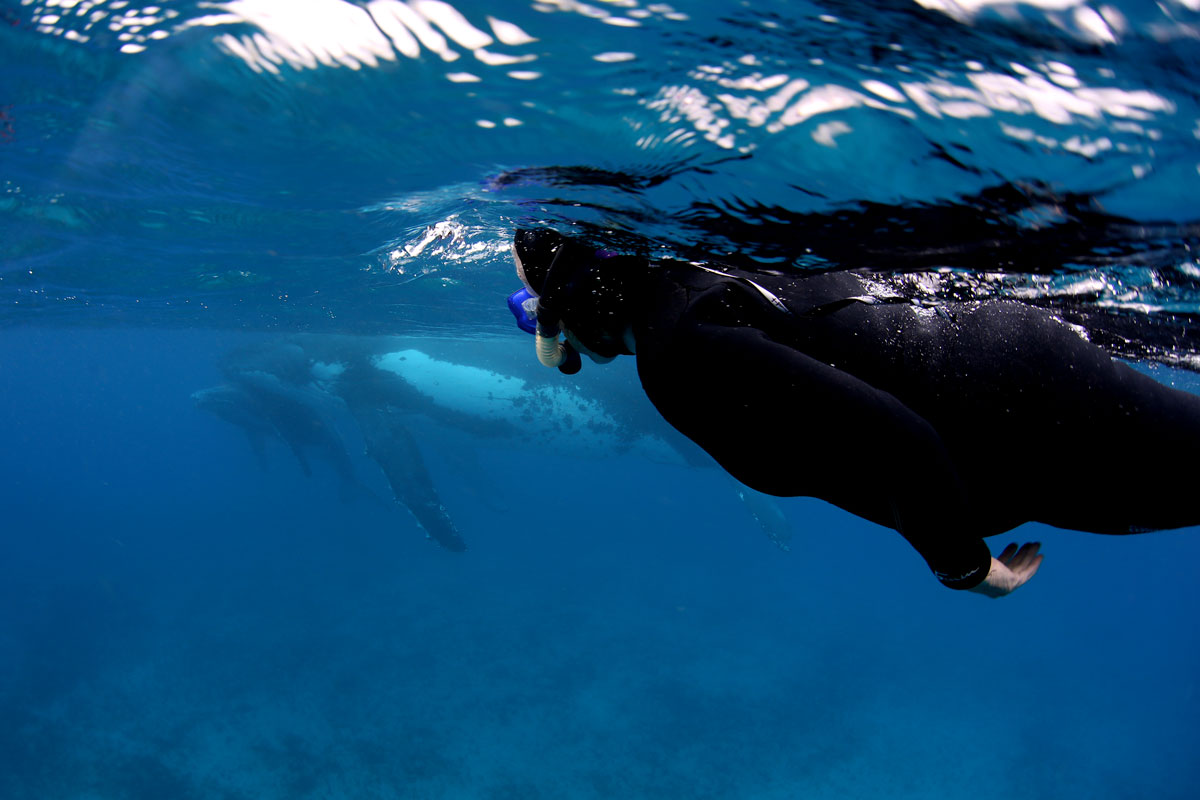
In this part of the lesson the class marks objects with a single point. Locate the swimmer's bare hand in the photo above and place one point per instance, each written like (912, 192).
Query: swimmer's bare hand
(1013, 568)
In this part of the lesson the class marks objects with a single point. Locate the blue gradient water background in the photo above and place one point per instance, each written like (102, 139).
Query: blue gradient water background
(177, 623)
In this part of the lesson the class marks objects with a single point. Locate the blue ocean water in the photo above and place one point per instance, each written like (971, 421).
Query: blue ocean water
(187, 180)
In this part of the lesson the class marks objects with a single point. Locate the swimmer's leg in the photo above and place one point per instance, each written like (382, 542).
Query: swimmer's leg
(1139, 474)
(1074, 438)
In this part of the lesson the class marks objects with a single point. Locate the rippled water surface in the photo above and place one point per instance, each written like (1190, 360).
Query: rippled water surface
(322, 163)
(184, 177)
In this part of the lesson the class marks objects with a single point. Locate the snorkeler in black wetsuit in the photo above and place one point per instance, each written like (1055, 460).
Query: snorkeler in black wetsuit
(948, 424)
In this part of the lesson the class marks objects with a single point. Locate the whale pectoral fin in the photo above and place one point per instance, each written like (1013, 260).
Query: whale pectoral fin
(410, 481)
(767, 513)
(392, 446)
(437, 524)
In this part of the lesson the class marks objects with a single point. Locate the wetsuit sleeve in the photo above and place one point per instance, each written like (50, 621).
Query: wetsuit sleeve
(789, 425)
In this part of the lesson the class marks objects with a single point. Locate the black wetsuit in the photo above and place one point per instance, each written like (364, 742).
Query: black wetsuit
(948, 424)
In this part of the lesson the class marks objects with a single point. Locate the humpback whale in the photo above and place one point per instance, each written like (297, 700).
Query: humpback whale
(237, 407)
(483, 389)
(265, 407)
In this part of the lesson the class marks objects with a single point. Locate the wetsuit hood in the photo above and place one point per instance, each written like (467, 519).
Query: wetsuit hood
(591, 292)
(534, 251)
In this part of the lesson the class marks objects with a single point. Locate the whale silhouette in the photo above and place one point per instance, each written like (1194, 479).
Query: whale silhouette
(482, 391)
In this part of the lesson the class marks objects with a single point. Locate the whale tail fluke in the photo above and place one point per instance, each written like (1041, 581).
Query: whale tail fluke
(767, 513)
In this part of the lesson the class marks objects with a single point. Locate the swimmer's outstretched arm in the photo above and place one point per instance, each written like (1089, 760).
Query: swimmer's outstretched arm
(1013, 568)
(788, 425)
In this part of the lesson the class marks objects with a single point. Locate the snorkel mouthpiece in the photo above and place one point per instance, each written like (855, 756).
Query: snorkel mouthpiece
(567, 356)
(545, 329)
(550, 351)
